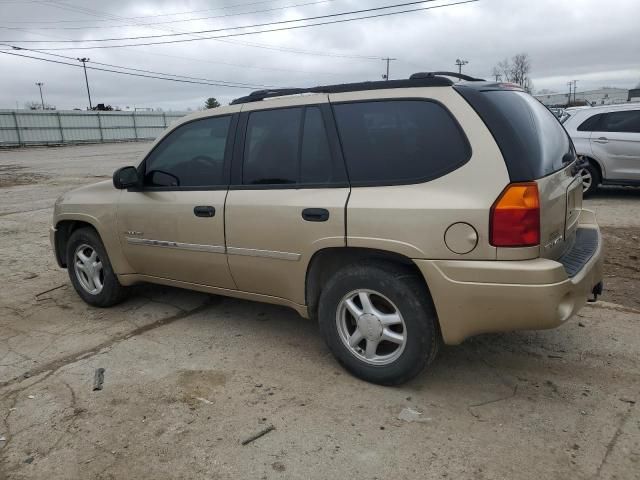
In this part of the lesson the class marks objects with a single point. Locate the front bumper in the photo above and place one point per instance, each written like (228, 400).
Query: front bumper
(473, 297)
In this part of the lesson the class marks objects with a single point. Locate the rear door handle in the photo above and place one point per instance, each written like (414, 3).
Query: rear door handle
(601, 140)
(204, 211)
(315, 214)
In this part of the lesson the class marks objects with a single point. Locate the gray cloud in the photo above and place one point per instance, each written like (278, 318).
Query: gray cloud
(586, 40)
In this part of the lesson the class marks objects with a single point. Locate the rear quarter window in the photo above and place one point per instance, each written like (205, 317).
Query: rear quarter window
(399, 141)
(532, 140)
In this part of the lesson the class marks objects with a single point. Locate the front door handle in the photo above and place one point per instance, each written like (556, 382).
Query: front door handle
(601, 140)
(204, 211)
(315, 214)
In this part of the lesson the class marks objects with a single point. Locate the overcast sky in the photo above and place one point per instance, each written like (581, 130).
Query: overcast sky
(594, 42)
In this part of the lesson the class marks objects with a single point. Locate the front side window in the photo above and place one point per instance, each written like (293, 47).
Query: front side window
(624, 122)
(399, 141)
(288, 146)
(192, 155)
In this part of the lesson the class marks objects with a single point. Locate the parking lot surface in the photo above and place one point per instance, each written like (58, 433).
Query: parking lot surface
(189, 377)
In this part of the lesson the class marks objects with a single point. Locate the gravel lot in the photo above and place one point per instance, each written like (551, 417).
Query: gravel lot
(189, 376)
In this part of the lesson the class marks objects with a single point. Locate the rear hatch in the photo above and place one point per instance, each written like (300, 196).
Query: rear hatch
(535, 147)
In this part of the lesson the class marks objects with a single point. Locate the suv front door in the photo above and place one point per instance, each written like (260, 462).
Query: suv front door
(616, 140)
(287, 199)
(173, 226)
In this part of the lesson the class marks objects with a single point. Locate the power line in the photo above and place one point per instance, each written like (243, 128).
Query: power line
(252, 85)
(135, 74)
(108, 16)
(177, 21)
(225, 7)
(240, 27)
(293, 27)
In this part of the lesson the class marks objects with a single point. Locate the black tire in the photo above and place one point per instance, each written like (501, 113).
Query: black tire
(408, 292)
(112, 292)
(595, 178)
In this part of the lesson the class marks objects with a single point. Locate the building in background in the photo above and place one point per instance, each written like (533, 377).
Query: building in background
(601, 96)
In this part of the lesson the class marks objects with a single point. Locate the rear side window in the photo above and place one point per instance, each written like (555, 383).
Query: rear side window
(627, 121)
(590, 124)
(271, 147)
(399, 141)
(289, 146)
(532, 140)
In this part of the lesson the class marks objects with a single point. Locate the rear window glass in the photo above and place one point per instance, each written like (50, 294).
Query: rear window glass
(399, 141)
(536, 128)
(532, 140)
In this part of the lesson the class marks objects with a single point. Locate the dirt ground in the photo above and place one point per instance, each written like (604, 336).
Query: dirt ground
(188, 377)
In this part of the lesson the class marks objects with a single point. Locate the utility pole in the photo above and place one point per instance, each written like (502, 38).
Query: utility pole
(84, 61)
(386, 77)
(569, 97)
(39, 84)
(574, 90)
(460, 64)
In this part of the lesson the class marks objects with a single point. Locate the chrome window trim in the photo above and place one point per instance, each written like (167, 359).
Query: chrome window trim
(253, 252)
(177, 245)
(249, 252)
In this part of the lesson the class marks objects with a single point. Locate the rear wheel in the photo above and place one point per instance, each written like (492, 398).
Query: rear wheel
(90, 270)
(379, 322)
(590, 178)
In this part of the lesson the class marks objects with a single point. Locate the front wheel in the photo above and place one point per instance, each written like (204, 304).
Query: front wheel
(379, 322)
(90, 270)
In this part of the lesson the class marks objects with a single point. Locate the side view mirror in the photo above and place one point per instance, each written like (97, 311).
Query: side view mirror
(125, 177)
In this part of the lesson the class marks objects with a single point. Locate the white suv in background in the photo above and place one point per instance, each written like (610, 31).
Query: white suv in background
(607, 138)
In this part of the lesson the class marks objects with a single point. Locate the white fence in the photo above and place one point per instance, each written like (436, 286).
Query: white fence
(26, 127)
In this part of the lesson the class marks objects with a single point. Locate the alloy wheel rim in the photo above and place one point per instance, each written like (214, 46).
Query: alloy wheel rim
(371, 327)
(89, 270)
(587, 179)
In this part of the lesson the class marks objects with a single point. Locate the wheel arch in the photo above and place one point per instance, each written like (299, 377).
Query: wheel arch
(327, 261)
(596, 163)
(64, 230)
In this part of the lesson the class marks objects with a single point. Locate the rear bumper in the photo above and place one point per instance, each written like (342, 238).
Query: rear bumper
(473, 297)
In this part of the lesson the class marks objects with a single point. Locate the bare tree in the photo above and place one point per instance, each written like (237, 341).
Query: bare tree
(504, 67)
(515, 70)
(520, 68)
(33, 105)
(496, 73)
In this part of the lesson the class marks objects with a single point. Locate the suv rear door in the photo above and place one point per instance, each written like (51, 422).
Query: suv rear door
(535, 147)
(615, 140)
(288, 195)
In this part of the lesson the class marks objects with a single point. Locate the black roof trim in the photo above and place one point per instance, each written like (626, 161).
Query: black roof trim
(426, 81)
(446, 74)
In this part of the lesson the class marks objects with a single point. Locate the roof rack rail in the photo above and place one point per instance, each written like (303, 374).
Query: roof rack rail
(461, 76)
(424, 81)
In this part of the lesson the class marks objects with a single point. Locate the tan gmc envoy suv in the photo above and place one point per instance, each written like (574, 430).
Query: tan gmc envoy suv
(401, 214)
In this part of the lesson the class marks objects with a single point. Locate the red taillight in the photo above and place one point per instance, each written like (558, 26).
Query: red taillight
(515, 217)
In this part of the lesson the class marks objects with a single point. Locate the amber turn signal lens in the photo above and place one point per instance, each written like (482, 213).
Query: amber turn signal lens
(515, 217)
